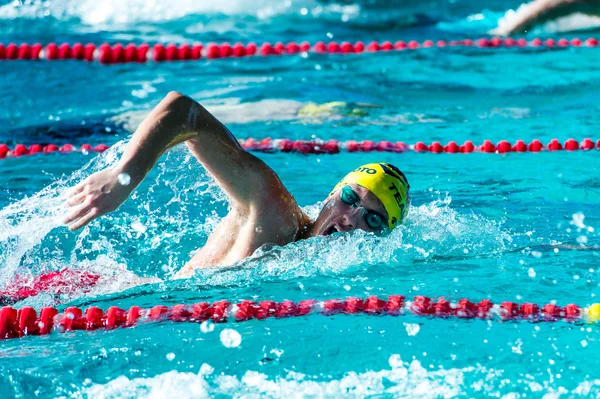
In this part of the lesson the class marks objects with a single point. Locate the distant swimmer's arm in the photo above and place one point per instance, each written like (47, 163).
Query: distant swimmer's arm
(177, 119)
(541, 11)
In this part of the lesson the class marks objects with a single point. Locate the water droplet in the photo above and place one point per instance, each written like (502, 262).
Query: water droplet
(170, 356)
(124, 179)
(230, 338)
(206, 369)
(531, 272)
(536, 254)
(412, 329)
(395, 361)
(207, 326)
(583, 343)
(138, 226)
(258, 229)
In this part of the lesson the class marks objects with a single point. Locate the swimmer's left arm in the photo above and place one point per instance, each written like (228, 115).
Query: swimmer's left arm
(248, 181)
(542, 11)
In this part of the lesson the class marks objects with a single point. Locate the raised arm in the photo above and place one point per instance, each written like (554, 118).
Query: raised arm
(541, 11)
(177, 119)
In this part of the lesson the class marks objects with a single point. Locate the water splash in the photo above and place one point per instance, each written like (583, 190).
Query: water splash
(111, 13)
(432, 232)
(403, 380)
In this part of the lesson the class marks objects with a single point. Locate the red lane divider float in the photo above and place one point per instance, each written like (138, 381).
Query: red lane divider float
(21, 150)
(65, 281)
(118, 53)
(25, 321)
(335, 147)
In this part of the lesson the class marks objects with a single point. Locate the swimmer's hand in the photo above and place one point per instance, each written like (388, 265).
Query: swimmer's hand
(99, 194)
(541, 11)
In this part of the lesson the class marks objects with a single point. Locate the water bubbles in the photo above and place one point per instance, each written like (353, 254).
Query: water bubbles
(170, 356)
(258, 229)
(230, 338)
(206, 369)
(304, 11)
(412, 329)
(395, 361)
(138, 226)
(536, 254)
(582, 239)
(578, 220)
(531, 272)
(207, 326)
(124, 179)
(584, 343)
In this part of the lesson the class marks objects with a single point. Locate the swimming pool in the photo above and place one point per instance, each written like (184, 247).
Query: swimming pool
(480, 226)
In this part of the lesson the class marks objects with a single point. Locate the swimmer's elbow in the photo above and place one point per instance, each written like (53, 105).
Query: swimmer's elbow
(174, 100)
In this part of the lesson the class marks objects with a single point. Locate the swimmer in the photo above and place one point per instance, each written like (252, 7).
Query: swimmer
(374, 197)
(541, 11)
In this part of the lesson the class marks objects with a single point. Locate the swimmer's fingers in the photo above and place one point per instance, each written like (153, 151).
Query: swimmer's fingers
(85, 219)
(76, 199)
(78, 188)
(78, 212)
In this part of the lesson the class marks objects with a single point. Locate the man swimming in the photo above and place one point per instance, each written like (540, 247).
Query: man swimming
(374, 197)
(541, 11)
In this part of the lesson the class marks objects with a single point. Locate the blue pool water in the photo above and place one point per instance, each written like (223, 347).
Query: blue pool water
(480, 225)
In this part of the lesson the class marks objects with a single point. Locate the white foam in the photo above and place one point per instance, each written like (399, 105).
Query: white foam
(404, 380)
(110, 14)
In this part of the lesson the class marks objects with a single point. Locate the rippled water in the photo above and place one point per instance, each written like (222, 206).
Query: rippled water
(481, 225)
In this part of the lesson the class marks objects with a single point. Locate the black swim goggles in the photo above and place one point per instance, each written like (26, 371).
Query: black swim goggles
(373, 219)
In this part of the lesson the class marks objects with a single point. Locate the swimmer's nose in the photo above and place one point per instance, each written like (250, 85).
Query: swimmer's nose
(349, 220)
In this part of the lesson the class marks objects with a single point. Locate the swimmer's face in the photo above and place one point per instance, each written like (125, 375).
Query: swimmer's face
(349, 209)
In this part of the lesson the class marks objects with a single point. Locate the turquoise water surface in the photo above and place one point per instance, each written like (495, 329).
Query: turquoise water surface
(516, 227)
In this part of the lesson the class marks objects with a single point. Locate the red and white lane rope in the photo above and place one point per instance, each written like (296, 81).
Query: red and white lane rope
(118, 53)
(21, 149)
(25, 321)
(335, 147)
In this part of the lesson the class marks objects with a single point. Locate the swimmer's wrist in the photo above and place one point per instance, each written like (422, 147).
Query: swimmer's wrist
(136, 172)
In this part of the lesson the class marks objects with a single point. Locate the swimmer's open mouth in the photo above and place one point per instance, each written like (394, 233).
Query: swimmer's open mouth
(332, 229)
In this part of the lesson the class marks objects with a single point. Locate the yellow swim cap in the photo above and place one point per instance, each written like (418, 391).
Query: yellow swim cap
(388, 184)
(593, 313)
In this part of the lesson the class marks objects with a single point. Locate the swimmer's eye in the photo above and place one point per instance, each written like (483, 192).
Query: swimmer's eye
(374, 221)
(349, 197)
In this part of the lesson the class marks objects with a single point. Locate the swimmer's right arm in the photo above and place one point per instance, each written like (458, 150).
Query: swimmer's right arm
(541, 11)
(177, 119)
